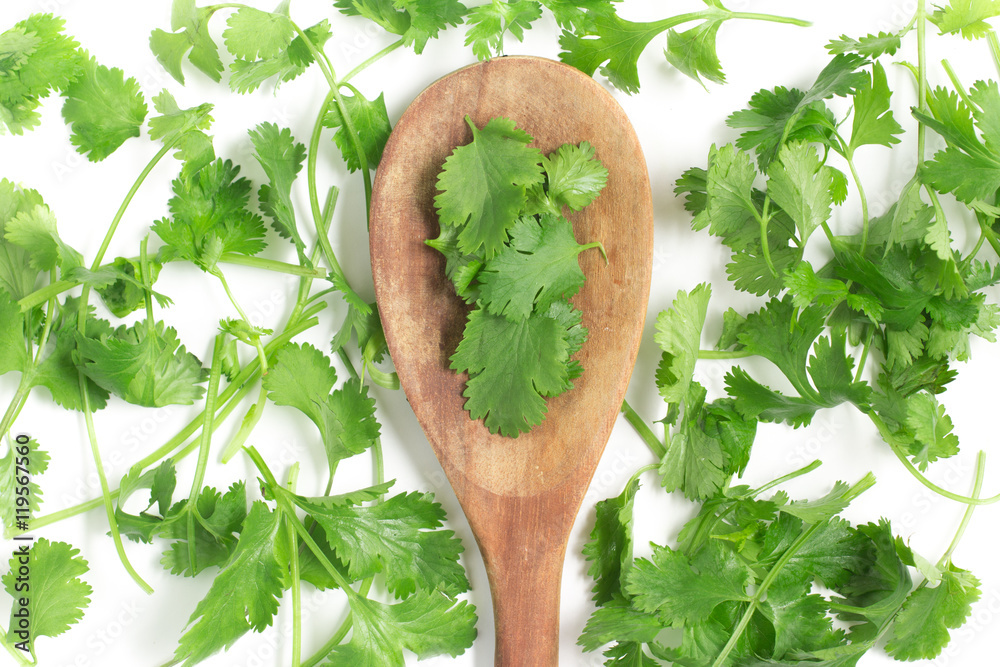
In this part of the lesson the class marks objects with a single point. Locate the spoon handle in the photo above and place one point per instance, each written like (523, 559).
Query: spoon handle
(524, 549)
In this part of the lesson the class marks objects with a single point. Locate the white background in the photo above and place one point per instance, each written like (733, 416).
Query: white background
(676, 119)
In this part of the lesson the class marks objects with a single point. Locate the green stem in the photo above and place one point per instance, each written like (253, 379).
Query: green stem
(646, 433)
(724, 354)
(771, 18)
(921, 22)
(896, 447)
(373, 59)
(296, 576)
(15, 653)
(977, 486)
(991, 39)
(312, 159)
(261, 354)
(863, 197)
(205, 444)
(272, 265)
(785, 478)
(109, 509)
(43, 294)
(16, 404)
(864, 353)
(990, 235)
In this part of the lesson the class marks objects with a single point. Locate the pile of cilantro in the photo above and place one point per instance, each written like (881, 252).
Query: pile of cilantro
(511, 253)
(755, 577)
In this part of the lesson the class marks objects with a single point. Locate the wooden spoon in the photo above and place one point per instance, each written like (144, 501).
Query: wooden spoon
(520, 495)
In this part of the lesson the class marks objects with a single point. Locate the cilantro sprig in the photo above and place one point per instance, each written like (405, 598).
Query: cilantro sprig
(879, 325)
(510, 251)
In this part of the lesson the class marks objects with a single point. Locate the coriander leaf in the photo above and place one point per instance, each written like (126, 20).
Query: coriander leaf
(17, 276)
(416, 21)
(219, 520)
(58, 371)
(693, 51)
(193, 40)
(871, 46)
(144, 364)
(609, 549)
(490, 22)
(302, 377)
(969, 167)
(730, 206)
(678, 334)
(38, 58)
(186, 127)
(35, 231)
(251, 33)
(13, 347)
(124, 290)
(426, 624)
(281, 158)
(210, 217)
(834, 502)
(830, 553)
(968, 17)
(920, 631)
(617, 621)
(539, 267)
(575, 176)
(400, 538)
(578, 14)
(873, 121)
(880, 586)
(248, 75)
(840, 78)
(683, 591)
(57, 596)
(779, 115)
(370, 121)
(460, 267)
(694, 461)
(10, 471)
(511, 366)
(801, 184)
(613, 45)
(232, 608)
(799, 622)
(932, 430)
(482, 184)
(103, 109)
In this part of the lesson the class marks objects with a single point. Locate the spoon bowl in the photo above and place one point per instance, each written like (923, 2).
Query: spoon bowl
(520, 495)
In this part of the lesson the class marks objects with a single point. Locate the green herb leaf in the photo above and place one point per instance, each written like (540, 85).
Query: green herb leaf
(232, 608)
(921, 629)
(489, 23)
(678, 333)
(281, 158)
(693, 52)
(58, 596)
(512, 365)
(370, 120)
(968, 17)
(426, 624)
(483, 184)
(609, 549)
(103, 109)
(539, 267)
(575, 175)
(400, 538)
(13, 466)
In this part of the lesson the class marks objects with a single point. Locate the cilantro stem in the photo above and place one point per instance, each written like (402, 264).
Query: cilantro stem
(261, 354)
(724, 354)
(16, 654)
(994, 43)
(770, 18)
(211, 396)
(646, 433)
(371, 60)
(921, 20)
(896, 447)
(109, 509)
(43, 294)
(977, 486)
(312, 158)
(293, 570)
(862, 197)
(272, 265)
(990, 235)
(785, 478)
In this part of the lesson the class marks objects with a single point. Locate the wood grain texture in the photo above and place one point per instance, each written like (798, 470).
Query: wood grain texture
(520, 495)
